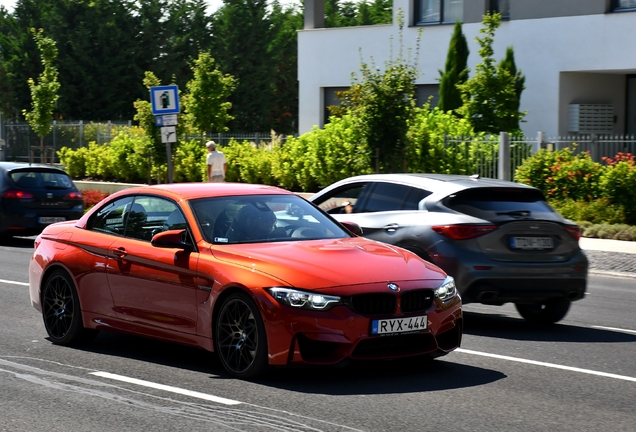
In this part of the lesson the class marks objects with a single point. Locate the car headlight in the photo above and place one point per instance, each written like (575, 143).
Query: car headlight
(303, 299)
(446, 290)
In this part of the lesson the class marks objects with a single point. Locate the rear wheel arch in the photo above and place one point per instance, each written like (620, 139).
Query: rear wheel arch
(61, 309)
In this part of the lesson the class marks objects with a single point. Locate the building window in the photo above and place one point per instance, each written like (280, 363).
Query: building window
(439, 11)
(501, 6)
(624, 5)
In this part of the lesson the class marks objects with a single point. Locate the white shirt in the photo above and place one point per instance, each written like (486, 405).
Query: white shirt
(217, 160)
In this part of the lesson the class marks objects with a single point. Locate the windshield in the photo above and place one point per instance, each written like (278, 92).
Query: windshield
(262, 218)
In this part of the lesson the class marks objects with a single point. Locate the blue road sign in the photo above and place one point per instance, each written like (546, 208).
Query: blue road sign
(164, 100)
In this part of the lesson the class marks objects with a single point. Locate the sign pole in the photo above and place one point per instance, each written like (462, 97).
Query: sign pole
(169, 155)
(164, 101)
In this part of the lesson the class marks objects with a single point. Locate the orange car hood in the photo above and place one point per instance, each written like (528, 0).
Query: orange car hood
(319, 264)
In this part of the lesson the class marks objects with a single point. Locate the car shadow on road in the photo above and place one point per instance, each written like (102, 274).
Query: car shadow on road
(506, 327)
(373, 377)
(17, 242)
(382, 377)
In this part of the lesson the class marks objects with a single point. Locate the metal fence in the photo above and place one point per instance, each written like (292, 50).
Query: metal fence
(599, 146)
(20, 139)
(466, 155)
(481, 155)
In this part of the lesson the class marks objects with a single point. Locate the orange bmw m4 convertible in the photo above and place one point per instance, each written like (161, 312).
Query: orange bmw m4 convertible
(254, 273)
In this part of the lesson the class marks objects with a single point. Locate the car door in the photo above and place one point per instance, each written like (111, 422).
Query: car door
(153, 286)
(385, 211)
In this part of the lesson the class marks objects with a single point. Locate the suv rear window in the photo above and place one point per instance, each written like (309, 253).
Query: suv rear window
(501, 204)
(41, 179)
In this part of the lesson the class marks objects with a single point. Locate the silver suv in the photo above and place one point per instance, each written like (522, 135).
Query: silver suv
(501, 241)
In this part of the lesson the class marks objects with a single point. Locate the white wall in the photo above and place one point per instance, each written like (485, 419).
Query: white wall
(544, 48)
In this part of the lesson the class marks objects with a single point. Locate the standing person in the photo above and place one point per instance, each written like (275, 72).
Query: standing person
(216, 164)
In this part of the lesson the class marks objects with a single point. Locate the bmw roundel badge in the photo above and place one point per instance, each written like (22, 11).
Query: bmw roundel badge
(393, 287)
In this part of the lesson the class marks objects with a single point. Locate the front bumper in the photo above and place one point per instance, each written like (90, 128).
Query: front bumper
(329, 337)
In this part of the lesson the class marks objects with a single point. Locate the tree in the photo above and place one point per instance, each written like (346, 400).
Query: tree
(284, 50)
(384, 104)
(241, 47)
(19, 57)
(488, 96)
(205, 103)
(508, 64)
(44, 94)
(455, 72)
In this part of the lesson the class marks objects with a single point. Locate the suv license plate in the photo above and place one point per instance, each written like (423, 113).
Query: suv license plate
(399, 325)
(531, 243)
(50, 219)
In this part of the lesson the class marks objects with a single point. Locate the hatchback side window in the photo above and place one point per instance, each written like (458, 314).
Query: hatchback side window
(343, 200)
(413, 198)
(387, 197)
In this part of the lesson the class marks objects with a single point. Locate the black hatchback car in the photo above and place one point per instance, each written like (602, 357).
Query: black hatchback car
(34, 196)
(501, 241)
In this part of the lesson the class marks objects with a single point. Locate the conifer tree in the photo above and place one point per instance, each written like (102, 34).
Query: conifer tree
(456, 71)
(508, 64)
(489, 96)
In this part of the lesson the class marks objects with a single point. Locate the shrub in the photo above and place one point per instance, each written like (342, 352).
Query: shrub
(595, 212)
(427, 135)
(74, 161)
(92, 197)
(619, 184)
(613, 232)
(562, 175)
(190, 162)
(248, 162)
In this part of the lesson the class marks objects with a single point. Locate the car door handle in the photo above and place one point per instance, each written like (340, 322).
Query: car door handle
(119, 252)
(391, 227)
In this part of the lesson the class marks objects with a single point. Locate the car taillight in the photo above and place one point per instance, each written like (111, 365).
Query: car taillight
(463, 232)
(17, 194)
(73, 196)
(574, 231)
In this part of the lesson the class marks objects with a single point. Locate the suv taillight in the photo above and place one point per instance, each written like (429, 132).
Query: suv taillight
(463, 232)
(17, 194)
(574, 231)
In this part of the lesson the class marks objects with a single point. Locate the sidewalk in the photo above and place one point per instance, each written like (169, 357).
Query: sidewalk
(610, 256)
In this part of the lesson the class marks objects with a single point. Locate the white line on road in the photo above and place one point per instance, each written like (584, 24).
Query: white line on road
(549, 365)
(177, 390)
(14, 282)
(615, 329)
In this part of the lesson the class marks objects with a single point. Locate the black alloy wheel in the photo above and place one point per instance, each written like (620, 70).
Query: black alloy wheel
(544, 313)
(61, 311)
(240, 337)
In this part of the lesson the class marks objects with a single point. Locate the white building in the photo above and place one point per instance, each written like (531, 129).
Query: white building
(577, 56)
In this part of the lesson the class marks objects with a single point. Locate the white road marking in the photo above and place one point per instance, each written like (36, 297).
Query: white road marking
(549, 365)
(615, 329)
(14, 282)
(177, 390)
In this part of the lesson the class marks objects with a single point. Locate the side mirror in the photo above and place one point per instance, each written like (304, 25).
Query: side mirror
(352, 227)
(172, 239)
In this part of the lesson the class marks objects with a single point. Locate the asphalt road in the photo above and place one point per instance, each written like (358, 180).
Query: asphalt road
(579, 375)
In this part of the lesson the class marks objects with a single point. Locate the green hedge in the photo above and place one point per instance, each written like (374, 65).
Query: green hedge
(581, 189)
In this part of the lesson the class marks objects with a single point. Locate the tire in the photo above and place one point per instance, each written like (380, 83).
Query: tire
(61, 311)
(548, 312)
(239, 337)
